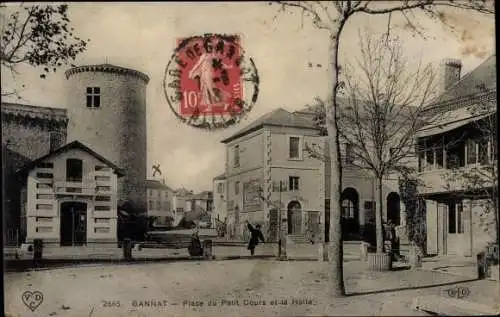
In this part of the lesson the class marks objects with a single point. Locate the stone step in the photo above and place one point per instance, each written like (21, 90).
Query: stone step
(448, 306)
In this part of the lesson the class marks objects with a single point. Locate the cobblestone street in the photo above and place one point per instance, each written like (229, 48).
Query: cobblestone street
(238, 288)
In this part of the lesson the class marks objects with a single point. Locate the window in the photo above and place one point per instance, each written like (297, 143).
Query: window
(150, 204)
(44, 196)
(43, 219)
(73, 189)
(471, 151)
(158, 205)
(74, 170)
(236, 188)
(294, 147)
(103, 198)
(101, 230)
(43, 229)
(103, 178)
(347, 208)
(220, 188)
(236, 155)
(349, 157)
(455, 218)
(93, 97)
(44, 175)
(45, 165)
(101, 220)
(102, 208)
(44, 206)
(43, 185)
(179, 210)
(293, 183)
(103, 188)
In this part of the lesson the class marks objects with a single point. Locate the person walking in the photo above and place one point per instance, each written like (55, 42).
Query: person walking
(256, 234)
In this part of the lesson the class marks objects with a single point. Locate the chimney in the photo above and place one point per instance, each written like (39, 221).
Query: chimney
(449, 73)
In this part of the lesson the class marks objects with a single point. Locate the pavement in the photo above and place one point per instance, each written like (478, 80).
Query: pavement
(254, 287)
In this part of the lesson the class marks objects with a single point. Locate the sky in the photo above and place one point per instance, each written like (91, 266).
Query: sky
(142, 36)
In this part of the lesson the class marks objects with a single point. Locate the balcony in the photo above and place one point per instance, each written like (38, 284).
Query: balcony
(469, 178)
(85, 187)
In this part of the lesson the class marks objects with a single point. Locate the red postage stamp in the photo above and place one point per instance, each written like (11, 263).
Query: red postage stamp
(208, 79)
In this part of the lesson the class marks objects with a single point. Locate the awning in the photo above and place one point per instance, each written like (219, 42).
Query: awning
(451, 120)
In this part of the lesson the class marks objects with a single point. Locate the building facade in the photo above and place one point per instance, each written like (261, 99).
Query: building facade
(160, 202)
(458, 161)
(70, 197)
(272, 151)
(107, 111)
(219, 213)
(28, 132)
(181, 204)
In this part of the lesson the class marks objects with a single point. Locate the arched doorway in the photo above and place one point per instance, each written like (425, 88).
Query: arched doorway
(73, 227)
(294, 218)
(394, 208)
(350, 214)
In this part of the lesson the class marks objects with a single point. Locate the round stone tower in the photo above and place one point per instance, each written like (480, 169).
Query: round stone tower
(107, 112)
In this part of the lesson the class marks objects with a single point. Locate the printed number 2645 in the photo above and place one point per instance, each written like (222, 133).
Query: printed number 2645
(110, 303)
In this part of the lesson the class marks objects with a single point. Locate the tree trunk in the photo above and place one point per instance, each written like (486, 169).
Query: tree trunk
(335, 253)
(378, 217)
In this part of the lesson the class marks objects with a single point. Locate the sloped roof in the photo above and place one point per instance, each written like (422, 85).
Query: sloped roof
(482, 78)
(220, 177)
(205, 195)
(156, 184)
(278, 117)
(183, 192)
(32, 112)
(72, 145)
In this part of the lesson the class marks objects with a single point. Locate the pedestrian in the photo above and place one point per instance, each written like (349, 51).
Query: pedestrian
(256, 234)
(195, 248)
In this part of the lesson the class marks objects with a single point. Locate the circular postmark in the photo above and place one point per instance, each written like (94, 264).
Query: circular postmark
(209, 83)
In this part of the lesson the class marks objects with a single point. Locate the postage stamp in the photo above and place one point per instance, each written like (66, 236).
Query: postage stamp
(209, 82)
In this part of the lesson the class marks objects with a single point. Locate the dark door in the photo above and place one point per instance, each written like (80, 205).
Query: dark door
(327, 220)
(73, 224)
(294, 215)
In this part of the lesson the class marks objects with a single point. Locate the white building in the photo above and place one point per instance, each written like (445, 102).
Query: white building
(160, 202)
(70, 197)
(181, 203)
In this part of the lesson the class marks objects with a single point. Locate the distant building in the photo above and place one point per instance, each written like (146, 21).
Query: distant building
(70, 197)
(181, 203)
(460, 219)
(202, 204)
(219, 198)
(160, 202)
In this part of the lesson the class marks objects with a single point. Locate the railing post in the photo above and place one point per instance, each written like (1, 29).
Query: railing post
(127, 249)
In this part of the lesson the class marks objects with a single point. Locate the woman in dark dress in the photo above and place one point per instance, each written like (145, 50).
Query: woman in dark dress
(256, 235)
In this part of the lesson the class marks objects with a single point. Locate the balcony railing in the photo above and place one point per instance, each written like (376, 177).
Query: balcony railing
(85, 187)
(468, 178)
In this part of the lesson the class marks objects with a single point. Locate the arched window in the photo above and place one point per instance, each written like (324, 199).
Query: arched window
(347, 208)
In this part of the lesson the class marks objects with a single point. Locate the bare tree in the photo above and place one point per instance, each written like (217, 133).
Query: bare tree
(479, 180)
(332, 16)
(39, 36)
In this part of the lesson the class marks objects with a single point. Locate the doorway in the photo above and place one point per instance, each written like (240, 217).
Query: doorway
(73, 223)
(394, 208)
(294, 218)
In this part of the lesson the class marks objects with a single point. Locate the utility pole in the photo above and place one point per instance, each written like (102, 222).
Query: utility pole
(281, 230)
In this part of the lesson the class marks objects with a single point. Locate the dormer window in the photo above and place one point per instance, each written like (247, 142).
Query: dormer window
(93, 97)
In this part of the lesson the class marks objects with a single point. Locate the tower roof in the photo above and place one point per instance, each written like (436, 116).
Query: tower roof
(107, 68)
